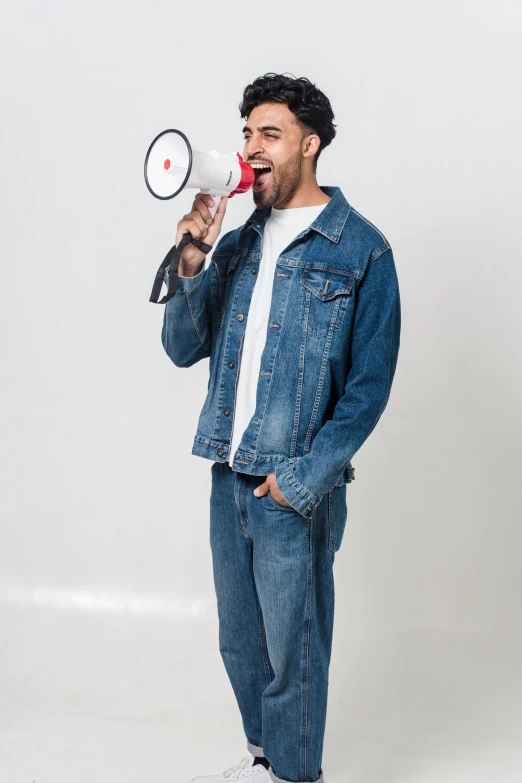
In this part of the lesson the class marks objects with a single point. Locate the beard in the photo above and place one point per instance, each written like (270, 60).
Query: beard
(284, 181)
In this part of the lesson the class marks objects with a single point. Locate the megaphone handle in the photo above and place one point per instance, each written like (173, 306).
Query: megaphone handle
(217, 199)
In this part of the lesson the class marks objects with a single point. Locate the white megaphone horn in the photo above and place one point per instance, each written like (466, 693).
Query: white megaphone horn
(171, 165)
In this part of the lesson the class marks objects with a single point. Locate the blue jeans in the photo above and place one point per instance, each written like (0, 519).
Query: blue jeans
(273, 575)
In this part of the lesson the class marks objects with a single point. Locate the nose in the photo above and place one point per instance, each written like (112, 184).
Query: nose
(253, 148)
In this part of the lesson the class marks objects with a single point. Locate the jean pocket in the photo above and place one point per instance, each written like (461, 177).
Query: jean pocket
(272, 501)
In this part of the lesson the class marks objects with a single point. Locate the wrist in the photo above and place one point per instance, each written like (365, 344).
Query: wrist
(190, 269)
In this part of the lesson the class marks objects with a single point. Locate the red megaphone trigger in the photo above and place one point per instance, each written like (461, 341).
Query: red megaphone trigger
(247, 177)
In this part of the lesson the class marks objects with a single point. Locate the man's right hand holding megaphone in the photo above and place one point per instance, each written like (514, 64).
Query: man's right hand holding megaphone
(202, 226)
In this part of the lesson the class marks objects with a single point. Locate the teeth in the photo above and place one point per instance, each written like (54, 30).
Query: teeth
(259, 166)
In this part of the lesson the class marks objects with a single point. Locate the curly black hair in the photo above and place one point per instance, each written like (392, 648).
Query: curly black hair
(310, 106)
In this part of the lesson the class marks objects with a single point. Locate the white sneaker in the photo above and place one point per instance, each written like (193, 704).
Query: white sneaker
(246, 770)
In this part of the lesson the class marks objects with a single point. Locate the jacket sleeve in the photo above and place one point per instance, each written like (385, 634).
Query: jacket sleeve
(187, 320)
(374, 351)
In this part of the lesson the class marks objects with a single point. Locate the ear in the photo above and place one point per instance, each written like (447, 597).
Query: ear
(311, 144)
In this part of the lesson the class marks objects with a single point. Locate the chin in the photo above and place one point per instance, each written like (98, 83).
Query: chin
(263, 199)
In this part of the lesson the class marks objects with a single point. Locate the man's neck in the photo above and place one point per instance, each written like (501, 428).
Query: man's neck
(308, 194)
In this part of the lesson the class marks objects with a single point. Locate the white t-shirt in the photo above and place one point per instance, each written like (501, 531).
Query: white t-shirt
(281, 227)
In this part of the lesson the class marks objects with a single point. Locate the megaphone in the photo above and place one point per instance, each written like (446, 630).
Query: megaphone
(171, 165)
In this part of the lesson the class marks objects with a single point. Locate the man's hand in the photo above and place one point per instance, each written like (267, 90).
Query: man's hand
(201, 225)
(270, 486)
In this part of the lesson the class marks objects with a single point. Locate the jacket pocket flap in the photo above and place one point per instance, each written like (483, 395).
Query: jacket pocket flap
(326, 284)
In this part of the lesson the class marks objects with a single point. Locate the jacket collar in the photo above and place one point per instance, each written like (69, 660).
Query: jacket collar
(330, 222)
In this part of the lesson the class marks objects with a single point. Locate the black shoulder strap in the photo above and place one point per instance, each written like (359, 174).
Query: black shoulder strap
(171, 261)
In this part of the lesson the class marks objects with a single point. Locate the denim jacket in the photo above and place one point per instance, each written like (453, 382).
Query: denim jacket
(330, 355)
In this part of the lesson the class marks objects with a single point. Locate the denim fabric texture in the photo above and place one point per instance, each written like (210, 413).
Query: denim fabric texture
(330, 354)
(326, 372)
(274, 585)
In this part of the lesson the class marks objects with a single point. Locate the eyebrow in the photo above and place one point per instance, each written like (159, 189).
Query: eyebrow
(263, 128)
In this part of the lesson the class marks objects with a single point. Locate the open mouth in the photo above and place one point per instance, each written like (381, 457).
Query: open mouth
(263, 172)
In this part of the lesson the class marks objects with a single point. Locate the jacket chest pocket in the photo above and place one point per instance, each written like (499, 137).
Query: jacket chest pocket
(324, 298)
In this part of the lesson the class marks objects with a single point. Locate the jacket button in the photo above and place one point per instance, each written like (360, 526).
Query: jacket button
(226, 412)
(220, 452)
(231, 365)
(240, 317)
(254, 270)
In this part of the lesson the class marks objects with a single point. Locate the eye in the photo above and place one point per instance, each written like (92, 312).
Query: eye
(271, 136)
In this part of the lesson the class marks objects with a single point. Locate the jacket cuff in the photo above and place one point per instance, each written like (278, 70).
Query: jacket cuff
(188, 284)
(293, 492)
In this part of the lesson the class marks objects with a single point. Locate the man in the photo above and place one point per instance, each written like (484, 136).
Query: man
(299, 313)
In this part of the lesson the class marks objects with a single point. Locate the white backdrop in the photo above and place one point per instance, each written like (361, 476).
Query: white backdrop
(109, 661)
